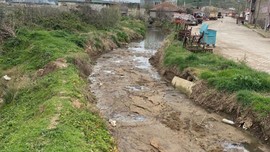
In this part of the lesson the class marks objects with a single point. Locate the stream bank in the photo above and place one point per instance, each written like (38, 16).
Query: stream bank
(215, 100)
(149, 114)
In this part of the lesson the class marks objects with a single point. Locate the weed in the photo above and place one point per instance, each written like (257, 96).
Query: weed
(225, 75)
(258, 102)
(29, 111)
(24, 128)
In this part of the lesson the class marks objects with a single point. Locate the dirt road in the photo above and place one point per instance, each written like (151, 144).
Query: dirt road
(241, 44)
(150, 115)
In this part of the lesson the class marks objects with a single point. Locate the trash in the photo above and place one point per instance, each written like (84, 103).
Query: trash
(228, 121)
(7, 78)
(112, 122)
(247, 123)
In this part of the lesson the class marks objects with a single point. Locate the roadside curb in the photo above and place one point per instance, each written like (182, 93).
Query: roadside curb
(263, 34)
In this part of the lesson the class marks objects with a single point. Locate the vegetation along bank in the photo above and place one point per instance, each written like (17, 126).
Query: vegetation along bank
(221, 85)
(46, 56)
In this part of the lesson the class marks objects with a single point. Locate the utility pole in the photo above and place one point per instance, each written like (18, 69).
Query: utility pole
(210, 2)
(250, 11)
(258, 12)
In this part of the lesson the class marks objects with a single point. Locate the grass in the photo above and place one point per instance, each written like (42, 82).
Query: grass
(25, 121)
(35, 48)
(40, 115)
(225, 75)
(38, 47)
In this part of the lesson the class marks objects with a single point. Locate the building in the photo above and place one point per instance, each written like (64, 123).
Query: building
(164, 10)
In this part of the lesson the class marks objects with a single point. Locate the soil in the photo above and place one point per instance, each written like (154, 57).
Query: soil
(55, 119)
(150, 114)
(52, 66)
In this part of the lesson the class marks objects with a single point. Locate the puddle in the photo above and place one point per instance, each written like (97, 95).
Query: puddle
(108, 72)
(241, 147)
(140, 48)
(233, 147)
(136, 88)
(155, 76)
(126, 117)
(118, 61)
(152, 42)
(142, 62)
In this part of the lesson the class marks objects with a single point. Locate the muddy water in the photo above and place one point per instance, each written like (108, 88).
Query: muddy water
(150, 115)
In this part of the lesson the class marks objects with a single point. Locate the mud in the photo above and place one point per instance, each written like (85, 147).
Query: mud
(150, 115)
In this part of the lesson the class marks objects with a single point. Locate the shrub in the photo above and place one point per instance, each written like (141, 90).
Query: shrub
(106, 18)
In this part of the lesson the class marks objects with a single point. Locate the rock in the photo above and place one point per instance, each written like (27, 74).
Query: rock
(112, 122)
(40, 72)
(154, 143)
(7, 78)
(61, 63)
(247, 123)
(228, 121)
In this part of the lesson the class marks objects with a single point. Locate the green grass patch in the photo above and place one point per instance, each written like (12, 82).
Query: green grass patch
(24, 122)
(224, 75)
(258, 102)
(136, 25)
(35, 48)
(29, 110)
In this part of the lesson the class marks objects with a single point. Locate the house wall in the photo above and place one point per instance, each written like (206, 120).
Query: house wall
(136, 12)
(162, 15)
(262, 13)
(98, 7)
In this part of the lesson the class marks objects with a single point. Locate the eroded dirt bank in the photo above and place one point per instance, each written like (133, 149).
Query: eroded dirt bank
(150, 114)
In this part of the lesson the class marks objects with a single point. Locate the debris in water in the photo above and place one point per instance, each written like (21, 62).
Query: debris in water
(112, 122)
(228, 121)
(234, 147)
(7, 78)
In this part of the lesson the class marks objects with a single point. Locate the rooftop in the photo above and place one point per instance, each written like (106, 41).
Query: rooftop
(168, 7)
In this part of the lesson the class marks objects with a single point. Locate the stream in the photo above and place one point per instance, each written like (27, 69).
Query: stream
(149, 114)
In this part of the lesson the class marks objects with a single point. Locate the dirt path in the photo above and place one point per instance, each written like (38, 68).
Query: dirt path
(241, 44)
(150, 115)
